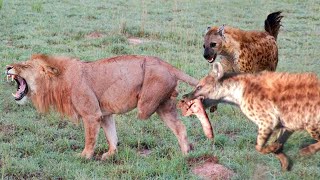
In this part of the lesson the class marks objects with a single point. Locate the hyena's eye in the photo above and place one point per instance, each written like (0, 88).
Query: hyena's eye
(198, 88)
(213, 44)
(204, 46)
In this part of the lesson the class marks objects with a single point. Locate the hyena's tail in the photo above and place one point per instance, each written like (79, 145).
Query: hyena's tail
(272, 23)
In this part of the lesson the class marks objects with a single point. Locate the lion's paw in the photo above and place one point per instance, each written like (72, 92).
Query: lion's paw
(85, 155)
(107, 155)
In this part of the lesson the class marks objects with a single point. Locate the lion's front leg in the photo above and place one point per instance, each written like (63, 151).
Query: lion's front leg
(91, 127)
(109, 127)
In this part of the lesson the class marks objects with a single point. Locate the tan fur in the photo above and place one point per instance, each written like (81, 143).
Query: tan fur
(244, 51)
(272, 101)
(94, 91)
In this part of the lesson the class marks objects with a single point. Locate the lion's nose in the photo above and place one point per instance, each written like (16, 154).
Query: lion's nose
(9, 67)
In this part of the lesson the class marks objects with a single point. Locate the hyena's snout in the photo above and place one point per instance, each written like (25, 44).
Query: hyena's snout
(185, 98)
(207, 54)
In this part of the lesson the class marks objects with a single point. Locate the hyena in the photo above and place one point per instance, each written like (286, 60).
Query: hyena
(272, 100)
(244, 51)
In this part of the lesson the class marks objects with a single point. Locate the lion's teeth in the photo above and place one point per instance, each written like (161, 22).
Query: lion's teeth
(14, 95)
(12, 77)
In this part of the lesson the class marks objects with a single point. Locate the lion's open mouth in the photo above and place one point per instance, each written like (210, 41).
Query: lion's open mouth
(22, 87)
(212, 59)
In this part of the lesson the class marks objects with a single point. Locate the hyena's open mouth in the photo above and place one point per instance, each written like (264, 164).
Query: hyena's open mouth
(22, 86)
(213, 58)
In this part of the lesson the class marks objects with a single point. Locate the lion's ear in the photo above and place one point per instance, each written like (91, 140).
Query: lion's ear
(52, 70)
(49, 70)
(217, 70)
(39, 56)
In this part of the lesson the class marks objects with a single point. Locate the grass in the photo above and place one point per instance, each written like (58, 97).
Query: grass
(34, 146)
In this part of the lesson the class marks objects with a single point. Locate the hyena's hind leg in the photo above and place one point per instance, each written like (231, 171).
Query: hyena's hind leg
(312, 148)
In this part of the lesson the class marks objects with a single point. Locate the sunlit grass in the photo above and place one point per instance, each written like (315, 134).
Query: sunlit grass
(45, 146)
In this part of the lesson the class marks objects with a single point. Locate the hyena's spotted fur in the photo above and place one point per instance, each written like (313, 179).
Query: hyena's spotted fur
(272, 100)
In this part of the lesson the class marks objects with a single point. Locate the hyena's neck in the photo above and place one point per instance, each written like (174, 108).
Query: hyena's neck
(231, 91)
(230, 49)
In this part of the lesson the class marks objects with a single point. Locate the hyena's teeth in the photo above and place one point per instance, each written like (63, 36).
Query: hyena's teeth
(12, 77)
(14, 95)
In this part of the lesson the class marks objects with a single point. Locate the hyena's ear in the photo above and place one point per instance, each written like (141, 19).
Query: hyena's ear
(217, 70)
(208, 28)
(220, 31)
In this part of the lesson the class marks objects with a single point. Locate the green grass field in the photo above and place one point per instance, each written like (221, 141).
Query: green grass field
(35, 146)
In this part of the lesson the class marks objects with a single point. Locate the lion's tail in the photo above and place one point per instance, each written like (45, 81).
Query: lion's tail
(272, 23)
(185, 77)
(179, 74)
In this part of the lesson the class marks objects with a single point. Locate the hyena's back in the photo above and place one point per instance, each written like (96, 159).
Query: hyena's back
(293, 98)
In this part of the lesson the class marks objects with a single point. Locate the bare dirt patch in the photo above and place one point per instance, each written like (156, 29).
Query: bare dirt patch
(260, 173)
(144, 152)
(135, 41)
(94, 35)
(207, 167)
(7, 129)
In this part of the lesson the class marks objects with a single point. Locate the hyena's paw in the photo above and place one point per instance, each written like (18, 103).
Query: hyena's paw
(285, 163)
(307, 151)
(274, 147)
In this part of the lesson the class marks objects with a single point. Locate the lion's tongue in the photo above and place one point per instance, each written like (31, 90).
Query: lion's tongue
(21, 88)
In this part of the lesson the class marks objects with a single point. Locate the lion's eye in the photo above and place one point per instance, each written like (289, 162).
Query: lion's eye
(213, 44)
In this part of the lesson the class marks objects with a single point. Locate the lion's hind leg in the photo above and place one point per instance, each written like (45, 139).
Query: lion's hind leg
(109, 127)
(153, 93)
(168, 113)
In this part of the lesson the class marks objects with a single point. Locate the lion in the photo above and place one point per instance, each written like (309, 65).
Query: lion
(244, 51)
(94, 91)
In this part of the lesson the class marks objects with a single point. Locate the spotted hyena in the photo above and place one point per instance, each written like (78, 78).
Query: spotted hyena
(244, 51)
(272, 100)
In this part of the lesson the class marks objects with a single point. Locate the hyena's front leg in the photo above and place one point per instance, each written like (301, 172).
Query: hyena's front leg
(264, 134)
(275, 147)
(284, 135)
